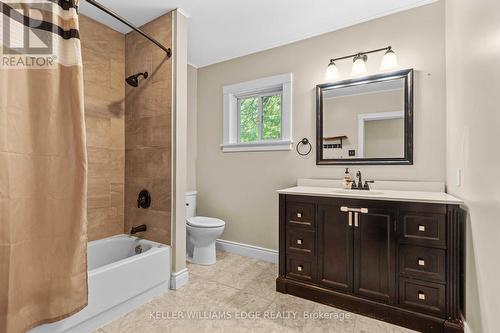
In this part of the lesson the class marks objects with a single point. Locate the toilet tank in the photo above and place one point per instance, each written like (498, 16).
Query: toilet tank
(191, 204)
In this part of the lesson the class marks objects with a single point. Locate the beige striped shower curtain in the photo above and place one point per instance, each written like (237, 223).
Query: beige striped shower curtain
(43, 163)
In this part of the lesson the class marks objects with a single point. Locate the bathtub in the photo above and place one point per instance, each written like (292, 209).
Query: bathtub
(124, 272)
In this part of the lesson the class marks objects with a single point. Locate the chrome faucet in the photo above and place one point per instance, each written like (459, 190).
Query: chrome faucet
(360, 185)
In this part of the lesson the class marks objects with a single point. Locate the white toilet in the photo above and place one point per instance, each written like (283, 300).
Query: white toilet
(201, 234)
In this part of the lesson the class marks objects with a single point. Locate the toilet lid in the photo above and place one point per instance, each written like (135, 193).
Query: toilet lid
(205, 222)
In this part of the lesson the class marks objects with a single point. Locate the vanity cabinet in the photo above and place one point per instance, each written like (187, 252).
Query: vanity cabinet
(395, 261)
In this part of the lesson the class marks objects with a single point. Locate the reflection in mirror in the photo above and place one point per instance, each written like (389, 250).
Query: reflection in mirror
(364, 120)
(370, 117)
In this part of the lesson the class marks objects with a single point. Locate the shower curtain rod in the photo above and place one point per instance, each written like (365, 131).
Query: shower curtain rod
(124, 21)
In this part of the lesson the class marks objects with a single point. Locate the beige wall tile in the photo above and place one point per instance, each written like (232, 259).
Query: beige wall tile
(148, 132)
(119, 116)
(103, 52)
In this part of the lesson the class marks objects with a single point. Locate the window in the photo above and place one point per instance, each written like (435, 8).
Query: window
(257, 115)
(260, 117)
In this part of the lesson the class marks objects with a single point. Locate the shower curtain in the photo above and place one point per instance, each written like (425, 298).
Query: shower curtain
(43, 165)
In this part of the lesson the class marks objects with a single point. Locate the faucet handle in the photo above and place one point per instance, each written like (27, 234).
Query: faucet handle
(368, 182)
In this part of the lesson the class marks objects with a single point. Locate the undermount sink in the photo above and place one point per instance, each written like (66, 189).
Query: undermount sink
(354, 192)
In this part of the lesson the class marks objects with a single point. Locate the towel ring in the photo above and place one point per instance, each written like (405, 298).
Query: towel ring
(304, 141)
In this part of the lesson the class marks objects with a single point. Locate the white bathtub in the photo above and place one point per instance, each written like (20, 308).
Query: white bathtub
(119, 281)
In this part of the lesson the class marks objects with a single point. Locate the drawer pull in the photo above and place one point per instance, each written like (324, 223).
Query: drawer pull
(421, 295)
(421, 262)
(299, 268)
(299, 215)
(354, 210)
(421, 228)
(300, 241)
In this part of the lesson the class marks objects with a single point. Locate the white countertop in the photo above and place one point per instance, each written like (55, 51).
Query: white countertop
(388, 195)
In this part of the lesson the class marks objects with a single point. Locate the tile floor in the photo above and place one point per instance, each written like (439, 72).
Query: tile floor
(238, 287)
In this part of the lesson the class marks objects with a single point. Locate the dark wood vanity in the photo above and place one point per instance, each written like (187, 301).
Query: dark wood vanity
(400, 262)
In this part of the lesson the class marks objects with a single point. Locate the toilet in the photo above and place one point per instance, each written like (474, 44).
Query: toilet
(201, 234)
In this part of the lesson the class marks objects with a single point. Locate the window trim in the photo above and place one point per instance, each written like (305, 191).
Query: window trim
(261, 87)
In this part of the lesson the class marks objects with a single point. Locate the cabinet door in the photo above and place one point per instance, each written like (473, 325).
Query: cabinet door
(335, 248)
(375, 255)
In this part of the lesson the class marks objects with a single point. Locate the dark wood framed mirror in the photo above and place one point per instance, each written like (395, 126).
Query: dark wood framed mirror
(366, 121)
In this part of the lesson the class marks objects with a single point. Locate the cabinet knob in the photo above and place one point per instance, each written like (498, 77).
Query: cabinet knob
(299, 215)
(299, 241)
(299, 268)
(421, 227)
(421, 295)
(421, 262)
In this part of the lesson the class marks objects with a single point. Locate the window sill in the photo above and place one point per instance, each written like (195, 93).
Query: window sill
(257, 146)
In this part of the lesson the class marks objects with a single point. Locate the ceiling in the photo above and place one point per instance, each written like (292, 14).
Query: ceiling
(224, 29)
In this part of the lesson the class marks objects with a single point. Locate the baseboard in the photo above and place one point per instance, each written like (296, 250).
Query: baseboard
(179, 279)
(247, 250)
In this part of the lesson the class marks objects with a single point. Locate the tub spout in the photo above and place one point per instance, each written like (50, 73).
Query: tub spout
(139, 228)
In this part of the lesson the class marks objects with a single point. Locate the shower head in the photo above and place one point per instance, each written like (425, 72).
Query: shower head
(133, 80)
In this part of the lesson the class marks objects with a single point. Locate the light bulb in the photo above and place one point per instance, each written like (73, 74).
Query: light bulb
(332, 71)
(359, 65)
(389, 61)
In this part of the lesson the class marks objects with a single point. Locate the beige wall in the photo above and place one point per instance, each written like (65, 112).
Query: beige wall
(179, 140)
(240, 187)
(103, 52)
(148, 126)
(179, 137)
(192, 91)
(384, 138)
(473, 121)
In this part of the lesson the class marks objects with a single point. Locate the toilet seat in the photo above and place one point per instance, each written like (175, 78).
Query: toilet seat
(205, 222)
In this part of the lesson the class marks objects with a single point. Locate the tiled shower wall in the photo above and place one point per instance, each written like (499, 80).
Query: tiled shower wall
(103, 52)
(148, 130)
(128, 129)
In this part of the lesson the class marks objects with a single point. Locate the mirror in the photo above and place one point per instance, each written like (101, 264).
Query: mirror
(366, 121)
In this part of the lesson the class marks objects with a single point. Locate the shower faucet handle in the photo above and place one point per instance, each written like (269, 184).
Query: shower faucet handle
(144, 199)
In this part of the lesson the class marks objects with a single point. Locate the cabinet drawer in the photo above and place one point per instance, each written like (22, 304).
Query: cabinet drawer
(299, 267)
(421, 296)
(300, 241)
(300, 214)
(422, 262)
(428, 229)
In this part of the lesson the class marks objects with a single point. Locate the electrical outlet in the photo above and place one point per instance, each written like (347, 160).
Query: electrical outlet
(352, 152)
(459, 177)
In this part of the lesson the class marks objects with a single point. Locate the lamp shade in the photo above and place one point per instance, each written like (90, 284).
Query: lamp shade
(389, 61)
(359, 65)
(332, 72)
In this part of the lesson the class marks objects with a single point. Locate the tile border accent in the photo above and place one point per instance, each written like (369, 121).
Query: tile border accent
(179, 279)
(247, 250)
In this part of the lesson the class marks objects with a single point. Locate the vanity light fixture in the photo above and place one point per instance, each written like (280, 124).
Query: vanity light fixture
(389, 61)
(332, 72)
(359, 64)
